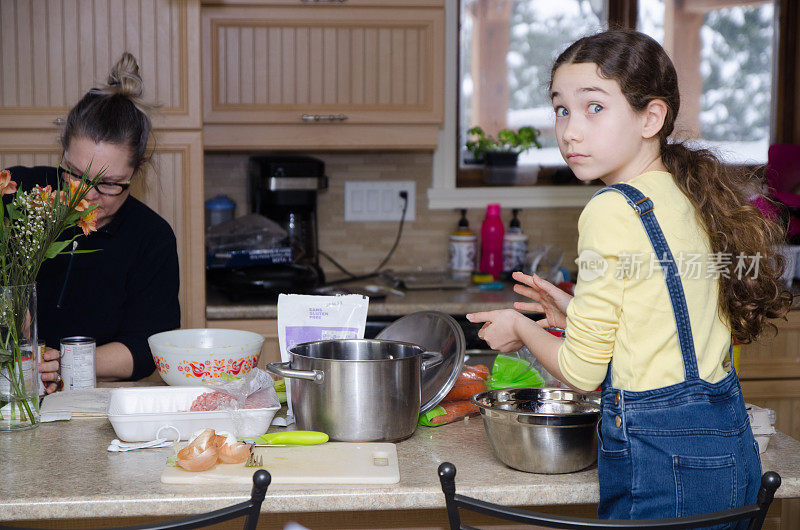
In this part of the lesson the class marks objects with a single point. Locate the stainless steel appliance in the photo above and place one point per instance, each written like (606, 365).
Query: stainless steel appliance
(283, 189)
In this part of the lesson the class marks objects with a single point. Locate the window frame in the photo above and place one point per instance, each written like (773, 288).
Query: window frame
(445, 193)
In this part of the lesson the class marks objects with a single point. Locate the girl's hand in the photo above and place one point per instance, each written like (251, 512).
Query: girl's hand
(551, 300)
(499, 329)
(48, 369)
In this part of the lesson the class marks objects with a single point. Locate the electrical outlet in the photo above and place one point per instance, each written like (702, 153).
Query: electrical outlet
(378, 200)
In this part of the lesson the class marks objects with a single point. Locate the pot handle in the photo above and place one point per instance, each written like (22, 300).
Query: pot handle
(285, 370)
(435, 358)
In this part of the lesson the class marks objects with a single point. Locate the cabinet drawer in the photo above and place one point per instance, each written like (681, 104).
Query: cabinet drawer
(323, 66)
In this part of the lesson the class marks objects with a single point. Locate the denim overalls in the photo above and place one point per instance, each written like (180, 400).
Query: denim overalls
(679, 450)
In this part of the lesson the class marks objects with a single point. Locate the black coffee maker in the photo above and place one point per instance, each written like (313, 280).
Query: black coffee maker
(283, 189)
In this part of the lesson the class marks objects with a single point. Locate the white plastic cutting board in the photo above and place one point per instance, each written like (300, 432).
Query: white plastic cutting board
(328, 463)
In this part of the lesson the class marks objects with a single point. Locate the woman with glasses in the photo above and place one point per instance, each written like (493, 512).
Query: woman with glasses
(124, 287)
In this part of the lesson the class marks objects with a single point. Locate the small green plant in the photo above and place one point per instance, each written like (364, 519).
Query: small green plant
(507, 141)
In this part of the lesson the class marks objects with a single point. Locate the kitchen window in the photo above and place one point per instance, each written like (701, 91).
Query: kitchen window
(723, 50)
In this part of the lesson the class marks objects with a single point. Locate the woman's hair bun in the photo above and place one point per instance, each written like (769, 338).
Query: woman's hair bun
(124, 78)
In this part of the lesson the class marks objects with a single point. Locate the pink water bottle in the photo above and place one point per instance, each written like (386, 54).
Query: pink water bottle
(492, 233)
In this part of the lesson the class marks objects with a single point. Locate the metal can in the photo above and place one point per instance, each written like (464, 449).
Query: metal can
(78, 361)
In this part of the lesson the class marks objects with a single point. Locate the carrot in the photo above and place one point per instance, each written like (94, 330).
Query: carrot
(455, 410)
(465, 389)
(480, 369)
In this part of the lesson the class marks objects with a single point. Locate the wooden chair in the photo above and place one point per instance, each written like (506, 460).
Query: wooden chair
(250, 508)
(755, 513)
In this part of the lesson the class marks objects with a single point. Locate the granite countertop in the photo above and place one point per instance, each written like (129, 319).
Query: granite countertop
(62, 470)
(451, 301)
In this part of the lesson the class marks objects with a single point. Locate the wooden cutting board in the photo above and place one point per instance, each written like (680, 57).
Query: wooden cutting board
(328, 463)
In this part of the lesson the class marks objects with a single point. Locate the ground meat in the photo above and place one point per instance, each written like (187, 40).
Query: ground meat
(213, 401)
(257, 400)
(221, 401)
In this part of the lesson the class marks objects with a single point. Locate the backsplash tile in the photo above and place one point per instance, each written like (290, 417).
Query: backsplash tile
(361, 246)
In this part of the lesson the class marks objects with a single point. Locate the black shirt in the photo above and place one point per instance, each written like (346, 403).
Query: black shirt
(124, 292)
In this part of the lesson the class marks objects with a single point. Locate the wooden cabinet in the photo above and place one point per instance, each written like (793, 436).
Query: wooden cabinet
(172, 187)
(53, 51)
(770, 376)
(770, 373)
(322, 76)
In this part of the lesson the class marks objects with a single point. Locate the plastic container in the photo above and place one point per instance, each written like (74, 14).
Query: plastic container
(137, 414)
(462, 249)
(492, 233)
(761, 420)
(218, 210)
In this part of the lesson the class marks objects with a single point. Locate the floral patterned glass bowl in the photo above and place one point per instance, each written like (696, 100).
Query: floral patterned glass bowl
(194, 356)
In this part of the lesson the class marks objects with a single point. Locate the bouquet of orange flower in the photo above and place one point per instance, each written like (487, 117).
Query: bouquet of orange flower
(31, 227)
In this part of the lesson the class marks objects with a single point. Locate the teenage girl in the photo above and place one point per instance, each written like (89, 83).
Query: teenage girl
(673, 261)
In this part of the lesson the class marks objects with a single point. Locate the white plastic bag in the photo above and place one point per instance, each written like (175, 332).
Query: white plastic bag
(306, 318)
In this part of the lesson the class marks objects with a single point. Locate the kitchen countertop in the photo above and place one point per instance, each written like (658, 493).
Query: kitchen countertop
(61, 470)
(450, 301)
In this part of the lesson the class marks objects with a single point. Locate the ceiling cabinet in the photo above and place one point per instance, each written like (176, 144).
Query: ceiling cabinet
(322, 76)
(166, 185)
(53, 51)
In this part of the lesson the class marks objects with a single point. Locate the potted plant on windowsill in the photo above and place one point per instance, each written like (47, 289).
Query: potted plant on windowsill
(505, 149)
(500, 155)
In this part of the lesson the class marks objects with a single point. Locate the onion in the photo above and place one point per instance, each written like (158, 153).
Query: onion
(234, 453)
(202, 440)
(194, 458)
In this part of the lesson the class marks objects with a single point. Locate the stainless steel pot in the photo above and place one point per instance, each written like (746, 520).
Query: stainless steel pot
(356, 390)
(541, 430)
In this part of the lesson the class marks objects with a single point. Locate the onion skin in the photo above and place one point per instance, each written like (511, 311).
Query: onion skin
(194, 458)
(203, 439)
(208, 448)
(234, 453)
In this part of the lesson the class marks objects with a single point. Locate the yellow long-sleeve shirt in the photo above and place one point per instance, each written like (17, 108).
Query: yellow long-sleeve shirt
(624, 312)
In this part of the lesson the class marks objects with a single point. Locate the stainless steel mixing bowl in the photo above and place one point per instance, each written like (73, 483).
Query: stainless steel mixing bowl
(541, 430)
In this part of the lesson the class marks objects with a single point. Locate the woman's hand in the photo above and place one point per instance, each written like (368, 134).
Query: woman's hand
(48, 369)
(551, 300)
(500, 328)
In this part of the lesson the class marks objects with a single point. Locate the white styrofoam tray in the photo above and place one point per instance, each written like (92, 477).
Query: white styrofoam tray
(137, 414)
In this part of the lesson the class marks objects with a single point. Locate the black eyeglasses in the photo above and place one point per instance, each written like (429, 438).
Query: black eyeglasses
(102, 186)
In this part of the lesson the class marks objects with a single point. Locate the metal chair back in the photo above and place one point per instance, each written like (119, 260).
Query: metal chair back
(755, 513)
(250, 509)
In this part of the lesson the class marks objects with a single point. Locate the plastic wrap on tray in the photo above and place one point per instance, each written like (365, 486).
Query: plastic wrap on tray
(137, 414)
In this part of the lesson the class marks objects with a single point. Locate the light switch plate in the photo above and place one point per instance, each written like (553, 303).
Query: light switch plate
(378, 200)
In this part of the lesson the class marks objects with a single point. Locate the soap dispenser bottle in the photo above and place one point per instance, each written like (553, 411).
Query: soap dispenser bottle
(462, 252)
(492, 233)
(515, 246)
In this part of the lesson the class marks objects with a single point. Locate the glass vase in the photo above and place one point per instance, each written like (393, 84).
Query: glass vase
(19, 366)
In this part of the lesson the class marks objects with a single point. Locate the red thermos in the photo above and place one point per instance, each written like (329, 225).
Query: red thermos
(492, 233)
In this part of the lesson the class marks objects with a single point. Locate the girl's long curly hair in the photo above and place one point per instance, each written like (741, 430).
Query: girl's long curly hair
(718, 192)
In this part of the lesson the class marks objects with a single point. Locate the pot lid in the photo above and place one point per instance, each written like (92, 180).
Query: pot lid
(435, 332)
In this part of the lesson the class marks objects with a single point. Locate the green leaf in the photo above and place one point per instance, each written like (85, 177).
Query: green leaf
(5, 356)
(55, 248)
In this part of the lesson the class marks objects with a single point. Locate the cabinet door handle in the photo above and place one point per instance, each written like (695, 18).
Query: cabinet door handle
(323, 1)
(58, 121)
(318, 117)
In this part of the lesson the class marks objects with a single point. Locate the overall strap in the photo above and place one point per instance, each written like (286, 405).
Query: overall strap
(643, 207)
